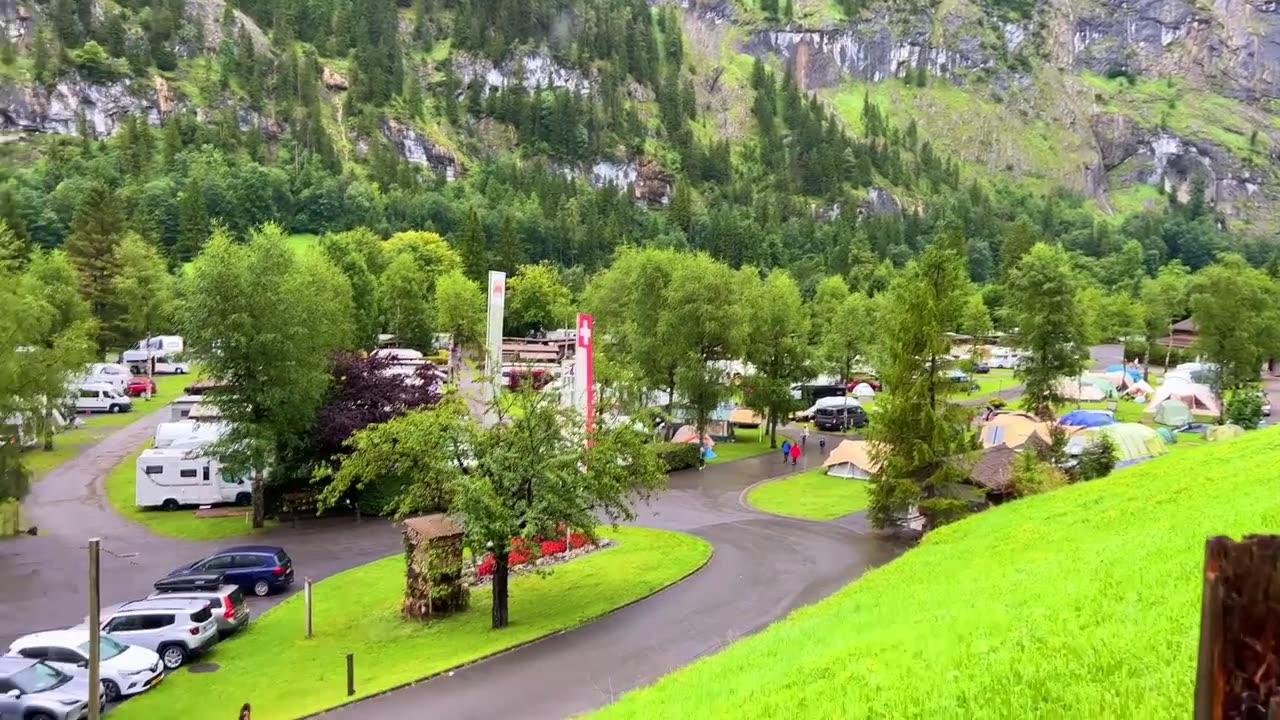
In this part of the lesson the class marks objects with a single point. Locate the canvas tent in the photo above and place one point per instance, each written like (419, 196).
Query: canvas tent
(1173, 413)
(689, 434)
(1134, 442)
(864, 391)
(1077, 389)
(1167, 435)
(1198, 398)
(1012, 429)
(1223, 432)
(851, 459)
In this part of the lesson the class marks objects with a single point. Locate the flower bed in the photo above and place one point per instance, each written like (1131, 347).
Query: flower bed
(521, 554)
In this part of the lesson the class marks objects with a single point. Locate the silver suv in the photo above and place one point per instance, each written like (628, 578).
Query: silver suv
(226, 602)
(34, 689)
(176, 629)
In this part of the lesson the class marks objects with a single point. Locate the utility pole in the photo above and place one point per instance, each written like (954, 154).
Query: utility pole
(95, 651)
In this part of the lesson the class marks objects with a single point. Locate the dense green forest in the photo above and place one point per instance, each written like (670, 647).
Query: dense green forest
(266, 140)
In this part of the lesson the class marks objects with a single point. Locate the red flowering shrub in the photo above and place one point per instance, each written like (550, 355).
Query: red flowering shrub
(520, 554)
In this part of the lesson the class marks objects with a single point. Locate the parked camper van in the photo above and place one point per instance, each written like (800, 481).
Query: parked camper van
(113, 374)
(187, 434)
(171, 478)
(102, 397)
(149, 347)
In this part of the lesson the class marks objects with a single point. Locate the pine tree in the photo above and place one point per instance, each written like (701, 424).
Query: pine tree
(922, 76)
(789, 11)
(44, 58)
(91, 247)
(473, 247)
(193, 220)
(511, 252)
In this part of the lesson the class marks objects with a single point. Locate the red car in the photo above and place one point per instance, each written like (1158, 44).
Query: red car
(859, 379)
(139, 385)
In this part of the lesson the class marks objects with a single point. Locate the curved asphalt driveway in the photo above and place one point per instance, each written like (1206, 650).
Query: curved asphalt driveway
(44, 579)
(764, 566)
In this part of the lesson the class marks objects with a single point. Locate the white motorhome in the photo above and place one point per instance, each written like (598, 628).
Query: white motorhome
(172, 477)
(156, 345)
(182, 407)
(187, 434)
(102, 397)
(1007, 358)
(112, 374)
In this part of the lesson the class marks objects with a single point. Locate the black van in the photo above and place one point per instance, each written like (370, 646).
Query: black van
(840, 418)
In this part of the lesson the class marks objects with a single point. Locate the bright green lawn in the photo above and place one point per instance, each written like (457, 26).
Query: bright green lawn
(747, 443)
(998, 379)
(814, 495)
(1081, 603)
(98, 425)
(179, 523)
(358, 611)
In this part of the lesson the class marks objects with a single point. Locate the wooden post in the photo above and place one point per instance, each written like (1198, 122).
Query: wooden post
(306, 598)
(1238, 675)
(95, 630)
(351, 674)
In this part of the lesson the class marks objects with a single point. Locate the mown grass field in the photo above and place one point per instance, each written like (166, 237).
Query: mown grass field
(358, 611)
(813, 495)
(1080, 603)
(748, 442)
(68, 444)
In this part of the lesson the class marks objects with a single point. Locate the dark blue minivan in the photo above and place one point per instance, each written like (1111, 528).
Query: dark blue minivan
(260, 569)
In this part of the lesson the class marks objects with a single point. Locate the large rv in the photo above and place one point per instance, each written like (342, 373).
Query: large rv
(171, 478)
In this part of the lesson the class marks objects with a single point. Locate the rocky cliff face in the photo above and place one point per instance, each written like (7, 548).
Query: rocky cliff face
(416, 148)
(58, 109)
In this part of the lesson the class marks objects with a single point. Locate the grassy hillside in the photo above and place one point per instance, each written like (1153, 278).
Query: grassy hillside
(1083, 603)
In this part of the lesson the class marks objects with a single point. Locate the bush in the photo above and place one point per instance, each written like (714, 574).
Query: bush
(998, 403)
(1245, 408)
(1097, 459)
(1137, 350)
(678, 456)
(1032, 476)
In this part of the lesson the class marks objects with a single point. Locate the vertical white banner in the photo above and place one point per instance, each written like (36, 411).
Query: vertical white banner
(493, 342)
(584, 371)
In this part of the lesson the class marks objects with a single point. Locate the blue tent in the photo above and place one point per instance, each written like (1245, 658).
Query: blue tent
(1086, 418)
(1134, 375)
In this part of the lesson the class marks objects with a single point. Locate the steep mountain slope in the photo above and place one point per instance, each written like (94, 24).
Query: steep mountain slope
(1115, 99)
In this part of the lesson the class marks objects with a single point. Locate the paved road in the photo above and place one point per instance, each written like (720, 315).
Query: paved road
(43, 579)
(763, 567)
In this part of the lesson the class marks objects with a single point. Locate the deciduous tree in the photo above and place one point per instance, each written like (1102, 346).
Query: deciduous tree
(1237, 315)
(143, 287)
(525, 479)
(263, 322)
(537, 300)
(777, 344)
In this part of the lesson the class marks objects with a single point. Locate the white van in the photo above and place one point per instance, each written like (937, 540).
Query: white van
(102, 397)
(161, 364)
(187, 434)
(1005, 358)
(171, 478)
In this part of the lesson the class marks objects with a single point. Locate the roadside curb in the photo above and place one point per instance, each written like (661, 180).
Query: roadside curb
(529, 642)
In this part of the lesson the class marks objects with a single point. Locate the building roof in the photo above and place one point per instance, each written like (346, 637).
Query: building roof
(991, 468)
(1184, 326)
(432, 526)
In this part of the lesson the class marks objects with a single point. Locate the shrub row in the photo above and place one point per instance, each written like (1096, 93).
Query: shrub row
(521, 553)
(678, 456)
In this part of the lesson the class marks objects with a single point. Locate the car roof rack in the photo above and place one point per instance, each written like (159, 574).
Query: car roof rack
(190, 582)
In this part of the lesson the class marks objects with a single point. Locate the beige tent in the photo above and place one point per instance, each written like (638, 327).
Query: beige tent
(744, 417)
(1012, 429)
(851, 459)
(1197, 397)
(689, 434)
(1078, 389)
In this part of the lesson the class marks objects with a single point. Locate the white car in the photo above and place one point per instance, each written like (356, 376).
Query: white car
(123, 669)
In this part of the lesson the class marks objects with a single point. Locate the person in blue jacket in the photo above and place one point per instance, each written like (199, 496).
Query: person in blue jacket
(786, 451)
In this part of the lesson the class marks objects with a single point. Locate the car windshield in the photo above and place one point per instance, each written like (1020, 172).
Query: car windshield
(38, 678)
(107, 648)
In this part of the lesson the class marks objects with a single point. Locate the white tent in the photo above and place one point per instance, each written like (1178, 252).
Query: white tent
(864, 391)
(689, 434)
(1197, 397)
(851, 459)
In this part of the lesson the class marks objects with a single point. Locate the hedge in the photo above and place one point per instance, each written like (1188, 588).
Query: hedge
(1138, 350)
(678, 456)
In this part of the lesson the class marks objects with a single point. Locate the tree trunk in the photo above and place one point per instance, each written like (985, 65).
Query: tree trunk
(500, 570)
(772, 424)
(47, 429)
(1146, 363)
(259, 498)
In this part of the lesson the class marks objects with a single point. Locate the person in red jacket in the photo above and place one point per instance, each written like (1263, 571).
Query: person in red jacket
(795, 453)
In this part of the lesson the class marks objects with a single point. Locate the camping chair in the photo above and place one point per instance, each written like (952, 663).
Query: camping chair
(1111, 406)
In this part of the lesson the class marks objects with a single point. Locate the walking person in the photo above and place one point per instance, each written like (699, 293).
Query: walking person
(804, 435)
(786, 451)
(702, 457)
(822, 445)
(795, 454)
